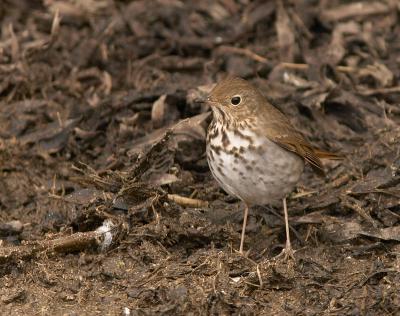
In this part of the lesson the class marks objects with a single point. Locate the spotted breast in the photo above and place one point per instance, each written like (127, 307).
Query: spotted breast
(250, 167)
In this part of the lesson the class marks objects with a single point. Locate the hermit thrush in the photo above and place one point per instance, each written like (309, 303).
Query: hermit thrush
(253, 151)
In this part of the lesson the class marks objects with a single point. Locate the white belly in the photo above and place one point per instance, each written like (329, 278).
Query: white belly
(260, 172)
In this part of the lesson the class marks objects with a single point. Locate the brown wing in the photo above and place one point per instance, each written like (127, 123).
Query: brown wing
(278, 129)
(298, 145)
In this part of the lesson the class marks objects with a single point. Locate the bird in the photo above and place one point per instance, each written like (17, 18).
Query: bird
(254, 152)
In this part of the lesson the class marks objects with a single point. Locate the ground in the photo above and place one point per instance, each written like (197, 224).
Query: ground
(107, 205)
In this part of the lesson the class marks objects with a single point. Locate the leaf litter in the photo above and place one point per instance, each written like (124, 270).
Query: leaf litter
(106, 201)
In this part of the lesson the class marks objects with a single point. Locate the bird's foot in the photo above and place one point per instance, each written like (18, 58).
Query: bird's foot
(241, 252)
(287, 253)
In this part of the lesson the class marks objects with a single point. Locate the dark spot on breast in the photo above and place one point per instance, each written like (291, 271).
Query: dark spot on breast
(258, 170)
(212, 131)
(223, 115)
(260, 150)
(224, 138)
(216, 149)
(211, 154)
(238, 133)
(220, 170)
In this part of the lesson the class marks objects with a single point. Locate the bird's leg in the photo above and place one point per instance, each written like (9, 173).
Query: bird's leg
(288, 251)
(245, 213)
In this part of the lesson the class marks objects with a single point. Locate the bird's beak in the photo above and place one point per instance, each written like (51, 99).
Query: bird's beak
(211, 102)
(208, 101)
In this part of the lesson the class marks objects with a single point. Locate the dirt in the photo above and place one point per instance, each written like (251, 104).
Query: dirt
(107, 205)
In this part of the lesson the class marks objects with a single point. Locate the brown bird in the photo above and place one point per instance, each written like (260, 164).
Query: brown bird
(253, 151)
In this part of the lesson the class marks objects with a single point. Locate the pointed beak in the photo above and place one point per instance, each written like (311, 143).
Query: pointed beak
(208, 101)
(211, 102)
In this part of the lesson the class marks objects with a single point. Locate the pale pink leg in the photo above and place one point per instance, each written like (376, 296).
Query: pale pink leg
(288, 251)
(246, 212)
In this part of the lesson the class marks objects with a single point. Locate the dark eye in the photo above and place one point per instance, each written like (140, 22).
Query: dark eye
(236, 100)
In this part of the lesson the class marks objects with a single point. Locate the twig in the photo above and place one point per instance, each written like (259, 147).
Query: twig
(55, 26)
(248, 53)
(355, 206)
(345, 69)
(76, 242)
(242, 51)
(358, 9)
(259, 276)
(185, 201)
(302, 194)
(12, 227)
(369, 92)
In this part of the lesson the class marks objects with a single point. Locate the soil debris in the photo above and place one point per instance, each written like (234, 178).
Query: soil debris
(107, 205)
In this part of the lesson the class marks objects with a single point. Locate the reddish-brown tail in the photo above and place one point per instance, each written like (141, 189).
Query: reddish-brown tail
(316, 162)
(327, 155)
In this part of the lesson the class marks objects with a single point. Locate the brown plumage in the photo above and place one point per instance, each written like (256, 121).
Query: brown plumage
(272, 123)
(253, 150)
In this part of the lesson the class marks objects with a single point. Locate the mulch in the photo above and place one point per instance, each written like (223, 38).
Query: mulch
(107, 205)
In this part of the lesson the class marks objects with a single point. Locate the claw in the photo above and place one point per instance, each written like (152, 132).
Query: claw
(287, 253)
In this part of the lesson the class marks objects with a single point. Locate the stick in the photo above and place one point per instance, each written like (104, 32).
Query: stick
(185, 201)
(76, 242)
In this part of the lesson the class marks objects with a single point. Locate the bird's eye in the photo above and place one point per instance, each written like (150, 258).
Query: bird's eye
(236, 99)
